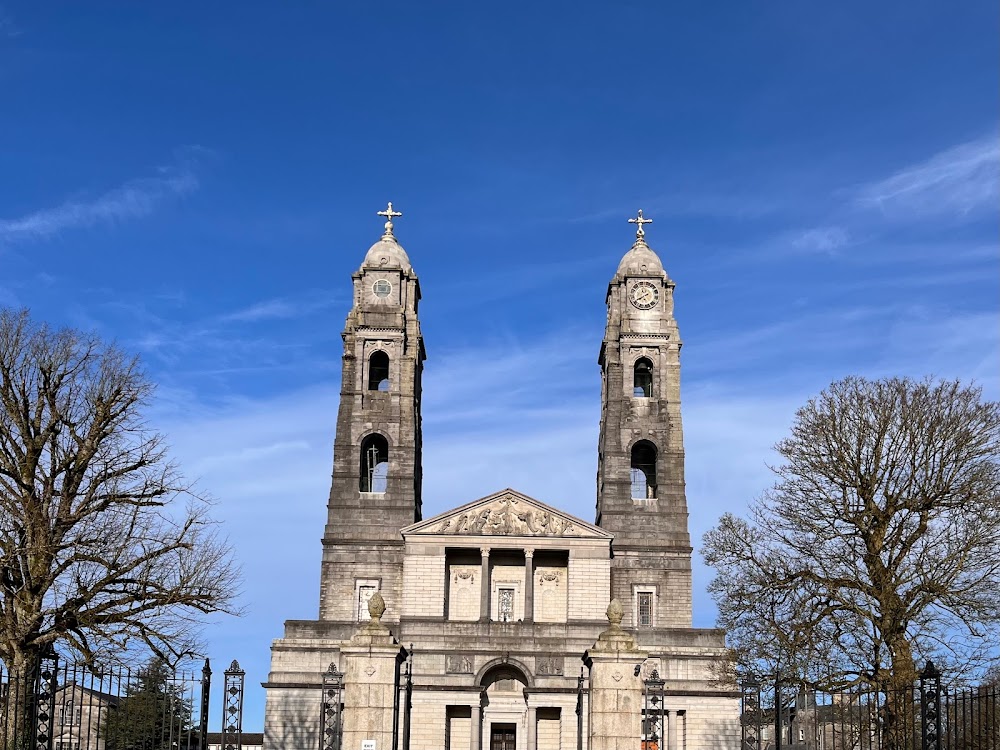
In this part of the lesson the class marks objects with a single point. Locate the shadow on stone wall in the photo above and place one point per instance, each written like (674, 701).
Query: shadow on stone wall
(300, 727)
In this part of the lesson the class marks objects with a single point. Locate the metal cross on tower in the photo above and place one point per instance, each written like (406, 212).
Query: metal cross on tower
(389, 214)
(639, 232)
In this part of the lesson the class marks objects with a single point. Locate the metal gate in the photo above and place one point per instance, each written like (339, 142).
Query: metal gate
(60, 704)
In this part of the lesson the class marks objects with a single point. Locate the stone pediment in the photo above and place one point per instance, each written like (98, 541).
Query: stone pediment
(507, 513)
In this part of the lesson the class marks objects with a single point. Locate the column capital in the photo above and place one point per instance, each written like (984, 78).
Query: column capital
(484, 551)
(529, 553)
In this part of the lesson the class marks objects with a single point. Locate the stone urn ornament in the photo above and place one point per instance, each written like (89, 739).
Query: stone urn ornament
(615, 615)
(376, 608)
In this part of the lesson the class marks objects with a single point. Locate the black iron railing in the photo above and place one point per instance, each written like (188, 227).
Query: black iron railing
(926, 716)
(55, 705)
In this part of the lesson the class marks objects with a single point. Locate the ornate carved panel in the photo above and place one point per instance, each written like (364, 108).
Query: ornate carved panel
(548, 666)
(508, 516)
(458, 664)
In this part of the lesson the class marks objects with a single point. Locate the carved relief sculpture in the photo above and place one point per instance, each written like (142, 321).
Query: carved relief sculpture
(504, 517)
(459, 665)
(549, 666)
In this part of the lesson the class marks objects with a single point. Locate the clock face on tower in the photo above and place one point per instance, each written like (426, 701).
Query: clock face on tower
(644, 295)
(382, 288)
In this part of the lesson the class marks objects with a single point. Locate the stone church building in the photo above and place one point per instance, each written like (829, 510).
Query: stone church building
(496, 613)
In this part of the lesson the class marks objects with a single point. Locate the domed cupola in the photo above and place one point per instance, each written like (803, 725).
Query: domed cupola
(387, 252)
(640, 260)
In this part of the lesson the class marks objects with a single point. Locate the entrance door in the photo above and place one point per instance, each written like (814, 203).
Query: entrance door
(503, 737)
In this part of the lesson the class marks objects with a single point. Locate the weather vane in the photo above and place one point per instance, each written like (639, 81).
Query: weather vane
(389, 214)
(639, 232)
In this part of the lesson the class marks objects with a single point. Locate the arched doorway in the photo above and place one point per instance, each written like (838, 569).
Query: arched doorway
(504, 707)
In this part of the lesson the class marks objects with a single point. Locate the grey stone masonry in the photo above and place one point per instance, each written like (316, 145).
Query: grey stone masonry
(362, 541)
(643, 419)
(500, 602)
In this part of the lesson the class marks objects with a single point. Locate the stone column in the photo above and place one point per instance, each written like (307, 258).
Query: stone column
(615, 686)
(484, 602)
(673, 721)
(477, 726)
(532, 728)
(370, 660)
(529, 588)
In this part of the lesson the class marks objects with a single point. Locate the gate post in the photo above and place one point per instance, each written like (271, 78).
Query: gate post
(750, 717)
(930, 708)
(371, 682)
(44, 700)
(331, 726)
(206, 689)
(407, 699)
(232, 713)
(654, 729)
(616, 705)
(778, 730)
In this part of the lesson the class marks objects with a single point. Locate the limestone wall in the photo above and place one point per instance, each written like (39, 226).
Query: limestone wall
(707, 723)
(464, 592)
(427, 726)
(423, 584)
(551, 586)
(589, 587)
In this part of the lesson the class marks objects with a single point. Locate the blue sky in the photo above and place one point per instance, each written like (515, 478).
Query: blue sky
(198, 182)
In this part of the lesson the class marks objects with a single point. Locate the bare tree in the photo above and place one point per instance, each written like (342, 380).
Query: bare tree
(879, 544)
(103, 544)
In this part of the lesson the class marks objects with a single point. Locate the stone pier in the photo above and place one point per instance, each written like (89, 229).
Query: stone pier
(371, 663)
(615, 687)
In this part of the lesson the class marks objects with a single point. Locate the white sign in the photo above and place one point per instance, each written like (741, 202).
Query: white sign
(367, 744)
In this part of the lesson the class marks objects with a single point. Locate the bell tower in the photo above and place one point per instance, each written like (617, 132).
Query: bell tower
(640, 466)
(375, 489)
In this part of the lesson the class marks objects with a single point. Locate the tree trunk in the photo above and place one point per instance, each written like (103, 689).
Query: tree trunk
(18, 726)
(901, 713)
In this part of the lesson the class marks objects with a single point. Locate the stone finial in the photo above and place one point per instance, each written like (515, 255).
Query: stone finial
(376, 607)
(374, 631)
(615, 614)
(615, 638)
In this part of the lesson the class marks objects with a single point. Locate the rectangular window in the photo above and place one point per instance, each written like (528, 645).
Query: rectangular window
(71, 714)
(505, 608)
(365, 592)
(644, 608)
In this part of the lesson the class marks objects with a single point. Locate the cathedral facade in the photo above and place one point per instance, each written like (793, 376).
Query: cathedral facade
(498, 611)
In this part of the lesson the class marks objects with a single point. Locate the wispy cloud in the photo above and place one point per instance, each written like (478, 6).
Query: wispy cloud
(133, 199)
(280, 309)
(960, 180)
(7, 27)
(822, 239)
(267, 310)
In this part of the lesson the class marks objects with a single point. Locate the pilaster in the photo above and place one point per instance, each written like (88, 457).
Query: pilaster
(529, 585)
(484, 592)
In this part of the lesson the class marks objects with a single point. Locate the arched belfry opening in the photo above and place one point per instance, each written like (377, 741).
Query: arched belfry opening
(643, 470)
(642, 378)
(374, 463)
(378, 371)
